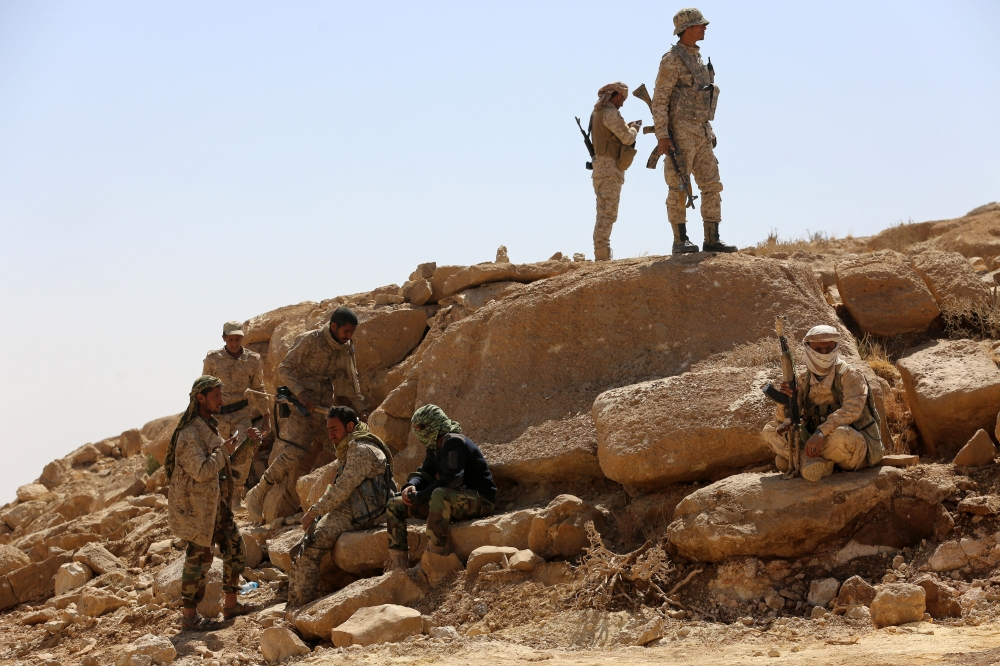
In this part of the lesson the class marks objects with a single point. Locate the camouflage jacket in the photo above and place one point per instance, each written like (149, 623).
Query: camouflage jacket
(672, 75)
(852, 402)
(363, 461)
(237, 375)
(322, 367)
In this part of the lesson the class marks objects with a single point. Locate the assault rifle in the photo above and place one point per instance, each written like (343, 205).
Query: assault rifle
(287, 399)
(675, 158)
(792, 429)
(587, 142)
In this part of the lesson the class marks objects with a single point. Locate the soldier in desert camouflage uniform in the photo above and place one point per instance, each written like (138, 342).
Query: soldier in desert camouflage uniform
(683, 105)
(613, 150)
(453, 483)
(355, 500)
(836, 407)
(239, 369)
(321, 371)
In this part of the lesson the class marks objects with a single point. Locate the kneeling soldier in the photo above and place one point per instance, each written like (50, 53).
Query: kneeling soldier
(355, 500)
(453, 483)
(837, 408)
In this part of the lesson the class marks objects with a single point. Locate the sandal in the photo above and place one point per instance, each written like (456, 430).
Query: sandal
(239, 610)
(199, 623)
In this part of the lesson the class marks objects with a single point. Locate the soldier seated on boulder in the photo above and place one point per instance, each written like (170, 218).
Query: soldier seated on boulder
(453, 483)
(354, 501)
(199, 465)
(836, 405)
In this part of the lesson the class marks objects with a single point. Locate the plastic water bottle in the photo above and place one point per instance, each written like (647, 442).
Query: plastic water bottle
(249, 587)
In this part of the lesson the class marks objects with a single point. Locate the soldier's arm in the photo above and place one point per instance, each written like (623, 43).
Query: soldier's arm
(257, 384)
(853, 401)
(616, 124)
(192, 459)
(287, 369)
(207, 366)
(666, 79)
(426, 474)
(453, 473)
(361, 463)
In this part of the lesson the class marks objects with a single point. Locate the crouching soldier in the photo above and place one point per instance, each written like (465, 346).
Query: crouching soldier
(837, 408)
(355, 500)
(453, 483)
(199, 465)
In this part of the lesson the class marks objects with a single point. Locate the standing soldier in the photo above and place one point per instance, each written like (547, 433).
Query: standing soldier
(239, 369)
(683, 104)
(321, 372)
(614, 148)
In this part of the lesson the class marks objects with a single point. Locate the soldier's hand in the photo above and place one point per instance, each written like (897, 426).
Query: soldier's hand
(409, 495)
(814, 445)
(666, 145)
(255, 434)
(231, 444)
(637, 124)
(784, 427)
(306, 401)
(786, 389)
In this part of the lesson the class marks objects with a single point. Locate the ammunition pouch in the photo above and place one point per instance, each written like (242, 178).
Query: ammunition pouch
(626, 156)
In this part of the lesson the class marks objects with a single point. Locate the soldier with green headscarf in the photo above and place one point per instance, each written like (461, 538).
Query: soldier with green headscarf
(199, 467)
(453, 483)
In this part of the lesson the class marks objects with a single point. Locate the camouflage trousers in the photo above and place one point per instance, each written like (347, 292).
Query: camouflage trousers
(608, 181)
(446, 506)
(844, 446)
(291, 462)
(694, 144)
(303, 579)
(199, 560)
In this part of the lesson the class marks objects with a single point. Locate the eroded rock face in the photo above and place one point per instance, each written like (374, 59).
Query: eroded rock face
(885, 295)
(473, 276)
(953, 389)
(767, 516)
(949, 277)
(683, 428)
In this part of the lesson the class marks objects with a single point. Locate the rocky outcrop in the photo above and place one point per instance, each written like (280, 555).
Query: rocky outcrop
(683, 428)
(949, 277)
(481, 274)
(953, 389)
(768, 516)
(885, 295)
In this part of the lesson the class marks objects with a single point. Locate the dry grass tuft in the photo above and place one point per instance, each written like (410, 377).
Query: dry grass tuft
(817, 242)
(898, 420)
(973, 319)
(874, 352)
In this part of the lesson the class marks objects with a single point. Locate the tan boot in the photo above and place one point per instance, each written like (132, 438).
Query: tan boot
(255, 501)
(398, 559)
(781, 462)
(814, 469)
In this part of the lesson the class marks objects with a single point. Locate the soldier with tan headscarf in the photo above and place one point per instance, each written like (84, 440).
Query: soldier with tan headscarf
(837, 410)
(614, 142)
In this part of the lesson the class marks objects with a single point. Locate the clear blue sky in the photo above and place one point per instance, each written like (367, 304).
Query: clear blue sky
(167, 166)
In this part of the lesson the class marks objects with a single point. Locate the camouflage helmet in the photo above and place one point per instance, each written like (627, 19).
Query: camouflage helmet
(686, 18)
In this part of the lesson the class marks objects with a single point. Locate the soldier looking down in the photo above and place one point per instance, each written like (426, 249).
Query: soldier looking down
(355, 501)
(321, 372)
(684, 103)
(837, 409)
(613, 152)
(453, 483)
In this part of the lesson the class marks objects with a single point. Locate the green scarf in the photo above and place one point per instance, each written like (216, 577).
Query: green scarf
(190, 414)
(430, 422)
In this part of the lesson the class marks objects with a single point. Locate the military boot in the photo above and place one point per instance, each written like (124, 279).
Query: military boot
(602, 254)
(398, 559)
(438, 542)
(682, 244)
(255, 500)
(781, 462)
(814, 469)
(712, 241)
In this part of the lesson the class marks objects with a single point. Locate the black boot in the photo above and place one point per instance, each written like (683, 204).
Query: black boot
(682, 244)
(712, 241)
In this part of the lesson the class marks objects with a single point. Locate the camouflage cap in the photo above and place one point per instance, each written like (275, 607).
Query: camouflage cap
(686, 18)
(232, 328)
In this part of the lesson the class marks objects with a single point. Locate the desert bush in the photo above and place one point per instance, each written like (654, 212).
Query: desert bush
(975, 319)
(875, 354)
(152, 464)
(810, 242)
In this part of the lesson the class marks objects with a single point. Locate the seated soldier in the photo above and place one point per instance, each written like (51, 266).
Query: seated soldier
(453, 483)
(354, 501)
(836, 405)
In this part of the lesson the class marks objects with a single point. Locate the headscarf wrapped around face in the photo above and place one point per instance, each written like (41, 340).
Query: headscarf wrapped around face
(821, 364)
(190, 414)
(605, 93)
(430, 422)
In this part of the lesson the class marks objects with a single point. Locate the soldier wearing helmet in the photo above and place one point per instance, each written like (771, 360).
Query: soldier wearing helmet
(684, 103)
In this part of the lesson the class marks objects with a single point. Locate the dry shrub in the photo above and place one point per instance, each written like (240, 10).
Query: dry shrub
(811, 242)
(976, 319)
(610, 581)
(874, 352)
(898, 419)
(764, 353)
(629, 527)
(900, 236)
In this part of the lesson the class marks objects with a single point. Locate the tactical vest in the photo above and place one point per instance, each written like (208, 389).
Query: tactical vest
(606, 143)
(696, 102)
(369, 499)
(813, 416)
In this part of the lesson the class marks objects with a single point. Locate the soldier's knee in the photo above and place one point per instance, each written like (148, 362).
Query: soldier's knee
(439, 497)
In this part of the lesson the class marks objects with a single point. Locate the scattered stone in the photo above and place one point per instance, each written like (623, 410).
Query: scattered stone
(448, 633)
(859, 613)
(158, 649)
(898, 603)
(939, 598)
(822, 592)
(315, 620)
(817, 612)
(11, 559)
(386, 623)
(71, 576)
(30, 582)
(98, 558)
(23, 514)
(418, 292)
(525, 560)
(560, 528)
(484, 555)
(35, 492)
(53, 474)
(85, 455)
(75, 506)
(979, 451)
(900, 460)
(96, 601)
(436, 567)
(982, 505)
(856, 591)
(885, 295)
(502, 257)
(279, 643)
(948, 556)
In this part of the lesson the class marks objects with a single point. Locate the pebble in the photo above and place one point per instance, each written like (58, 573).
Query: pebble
(773, 653)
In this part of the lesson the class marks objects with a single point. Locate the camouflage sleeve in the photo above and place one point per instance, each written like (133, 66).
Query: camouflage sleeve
(243, 454)
(362, 462)
(190, 456)
(781, 413)
(351, 388)
(613, 121)
(666, 79)
(287, 374)
(853, 401)
(207, 367)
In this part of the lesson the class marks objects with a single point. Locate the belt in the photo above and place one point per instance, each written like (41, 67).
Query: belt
(235, 407)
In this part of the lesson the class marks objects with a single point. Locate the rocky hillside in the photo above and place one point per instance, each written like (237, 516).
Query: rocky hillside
(619, 405)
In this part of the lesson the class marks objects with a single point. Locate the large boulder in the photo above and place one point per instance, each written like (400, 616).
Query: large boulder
(159, 649)
(885, 295)
(130, 443)
(949, 277)
(34, 581)
(384, 338)
(35, 492)
(560, 529)
(683, 428)
(977, 452)
(387, 623)
(557, 450)
(480, 274)
(317, 619)
(939, 598)
(98, 558)
(96, 601)
(401, 402)
(11, 558)
(71, 576)
(392, 430)
(260, 328)
(572, 337)
(768, 516)
(953, 389)
(279, 548)
(365, 551)
(506, 529)
(898, 603)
